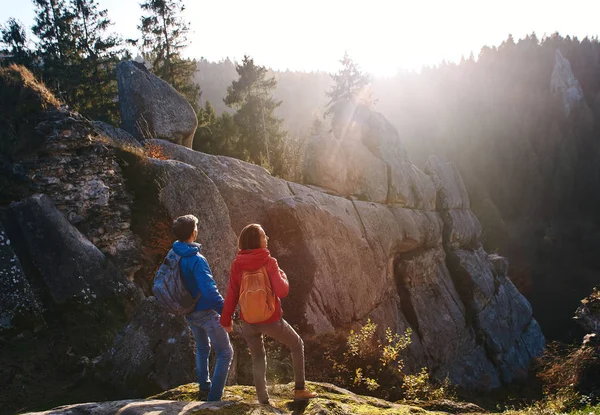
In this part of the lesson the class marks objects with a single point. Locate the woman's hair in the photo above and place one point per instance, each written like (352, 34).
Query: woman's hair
(250, 237)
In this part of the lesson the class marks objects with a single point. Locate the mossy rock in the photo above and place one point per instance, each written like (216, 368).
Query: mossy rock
(24, 100)
(332, 400)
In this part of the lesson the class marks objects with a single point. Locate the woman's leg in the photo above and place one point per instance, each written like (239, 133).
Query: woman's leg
(254, 340)
(284, 333)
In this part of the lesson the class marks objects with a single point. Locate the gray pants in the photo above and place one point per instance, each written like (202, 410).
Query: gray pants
(283, 333)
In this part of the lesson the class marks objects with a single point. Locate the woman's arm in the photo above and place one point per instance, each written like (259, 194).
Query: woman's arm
(232, 296)
(279, 281)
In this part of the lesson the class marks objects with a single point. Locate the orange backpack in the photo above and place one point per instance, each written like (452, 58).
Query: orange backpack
(257, 300)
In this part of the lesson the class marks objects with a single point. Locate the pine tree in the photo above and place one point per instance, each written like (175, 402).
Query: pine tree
(261, 132)
(164, 37)
(98, 54)
(215, 134)
(56, 47)
(350, 85)
(14, 38)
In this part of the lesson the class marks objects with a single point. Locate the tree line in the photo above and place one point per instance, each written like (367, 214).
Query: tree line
(75, 53)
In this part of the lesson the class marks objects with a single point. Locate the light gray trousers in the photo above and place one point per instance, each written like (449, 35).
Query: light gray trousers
(283, 333)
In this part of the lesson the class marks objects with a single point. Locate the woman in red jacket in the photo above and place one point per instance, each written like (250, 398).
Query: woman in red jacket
(253, 256)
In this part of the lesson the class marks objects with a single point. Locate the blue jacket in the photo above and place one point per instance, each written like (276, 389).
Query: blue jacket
(197, 276)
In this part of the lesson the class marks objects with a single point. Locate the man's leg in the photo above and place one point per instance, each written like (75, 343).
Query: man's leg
(224, 353)
(284, 333)
(254, 340)
(202, 352)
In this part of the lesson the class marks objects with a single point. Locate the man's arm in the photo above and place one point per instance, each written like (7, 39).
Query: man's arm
(279, 281)
(206, 284)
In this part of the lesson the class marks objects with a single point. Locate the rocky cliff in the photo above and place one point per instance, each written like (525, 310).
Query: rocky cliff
(368, 236)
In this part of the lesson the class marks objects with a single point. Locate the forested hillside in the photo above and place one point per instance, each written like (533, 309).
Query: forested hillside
(525, 142)
(532, 170)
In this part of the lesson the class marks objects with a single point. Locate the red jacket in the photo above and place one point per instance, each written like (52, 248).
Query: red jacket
(249, 260)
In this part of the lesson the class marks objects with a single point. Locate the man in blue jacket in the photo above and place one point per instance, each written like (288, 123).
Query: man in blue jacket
(204, 320)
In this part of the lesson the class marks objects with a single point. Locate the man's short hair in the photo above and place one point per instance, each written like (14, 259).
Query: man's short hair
(184, 226)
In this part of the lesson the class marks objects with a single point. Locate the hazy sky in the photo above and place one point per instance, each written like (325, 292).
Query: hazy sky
(381, 35)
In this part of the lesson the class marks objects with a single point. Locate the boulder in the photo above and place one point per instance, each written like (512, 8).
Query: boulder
(450, 188)
(153, 353)
(70, 267)
(449, 343)
(19, 308)
(187, 190)
(461, 229)
(121, 137)
(151, 108)
(500, 315)
(335, 278)
(247, 189)
(409, 186)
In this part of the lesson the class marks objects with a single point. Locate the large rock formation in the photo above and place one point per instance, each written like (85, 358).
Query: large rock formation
(363, 157)
(151, 108)
(564, 83)
(408, 256)
(349, 260)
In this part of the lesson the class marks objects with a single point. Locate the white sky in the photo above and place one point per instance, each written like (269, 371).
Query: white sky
(383, 36)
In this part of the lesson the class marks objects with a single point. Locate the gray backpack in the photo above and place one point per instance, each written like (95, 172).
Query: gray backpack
(169, 289)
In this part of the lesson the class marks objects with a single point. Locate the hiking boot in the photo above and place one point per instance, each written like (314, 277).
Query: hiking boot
(203, 394)
(302, 394)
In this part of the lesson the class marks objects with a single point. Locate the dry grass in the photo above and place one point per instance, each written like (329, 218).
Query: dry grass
(562, 367)
(155, 151)
(17, 76)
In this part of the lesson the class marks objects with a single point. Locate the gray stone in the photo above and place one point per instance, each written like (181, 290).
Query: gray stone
(153, 353)
(409, 186)
(451, 190)
(248, 190)
(187, 190)
(500, 315)
(346, 167)
(364, 157)
(119, 136)
(19, 308)
(71, 267)
(461, 229)
(564, 83)
(151, 108)
(335, 278)
(437, 315)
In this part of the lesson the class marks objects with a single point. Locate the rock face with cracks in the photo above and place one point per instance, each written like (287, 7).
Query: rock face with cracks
(348, 260)
(368, 236)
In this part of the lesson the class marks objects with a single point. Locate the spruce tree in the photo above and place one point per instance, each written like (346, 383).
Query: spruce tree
(215, 134)
(14, 38)
(350, 85)
(261, 131)
(98, 54)
(164, 37)
(56, 47)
